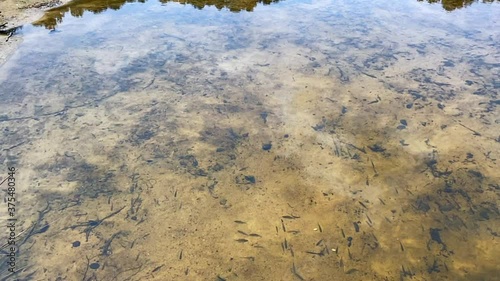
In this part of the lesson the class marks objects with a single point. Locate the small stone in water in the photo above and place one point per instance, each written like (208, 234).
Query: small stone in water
(267, 146)
(94, 265)
(250, 179)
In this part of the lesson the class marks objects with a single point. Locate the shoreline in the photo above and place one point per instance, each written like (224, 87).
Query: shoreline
(13, 14)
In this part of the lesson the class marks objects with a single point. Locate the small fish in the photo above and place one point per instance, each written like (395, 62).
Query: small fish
(133, 243)
(356, 226)
(319, 242)
(361, 203)
(241, 240)
(292, 217)
(402, 248)
(43, 229)
(241, 232)
(343, 234)
(326, 250)
(254, 235)
(350, 271)
(239, 222)
(337, 153)
(314, 253)
(374, 170)
(157, 268)
(320, 228)
(369, 220)
(294, 271)
(283, 225)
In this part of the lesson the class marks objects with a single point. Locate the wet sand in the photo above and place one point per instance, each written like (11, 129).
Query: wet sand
(272, 149)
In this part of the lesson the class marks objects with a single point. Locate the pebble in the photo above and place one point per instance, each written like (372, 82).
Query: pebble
(94, 265)
(267, 146)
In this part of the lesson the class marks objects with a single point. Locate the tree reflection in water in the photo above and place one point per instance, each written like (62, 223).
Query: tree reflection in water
(54, 16)
(450, 5)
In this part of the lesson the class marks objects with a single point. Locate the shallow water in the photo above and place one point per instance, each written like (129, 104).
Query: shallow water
(306, 140)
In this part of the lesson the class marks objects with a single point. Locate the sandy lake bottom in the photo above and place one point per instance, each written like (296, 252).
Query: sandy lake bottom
(292, 140)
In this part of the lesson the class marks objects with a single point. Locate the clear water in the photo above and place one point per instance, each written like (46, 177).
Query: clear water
(304, 140)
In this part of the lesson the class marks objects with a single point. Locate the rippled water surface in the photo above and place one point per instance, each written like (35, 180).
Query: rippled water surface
(244, 140)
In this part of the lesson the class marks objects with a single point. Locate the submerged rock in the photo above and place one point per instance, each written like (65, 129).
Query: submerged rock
(267, 146)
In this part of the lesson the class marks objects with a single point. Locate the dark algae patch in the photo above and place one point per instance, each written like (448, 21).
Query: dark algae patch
(436, 236)
(290, 140)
